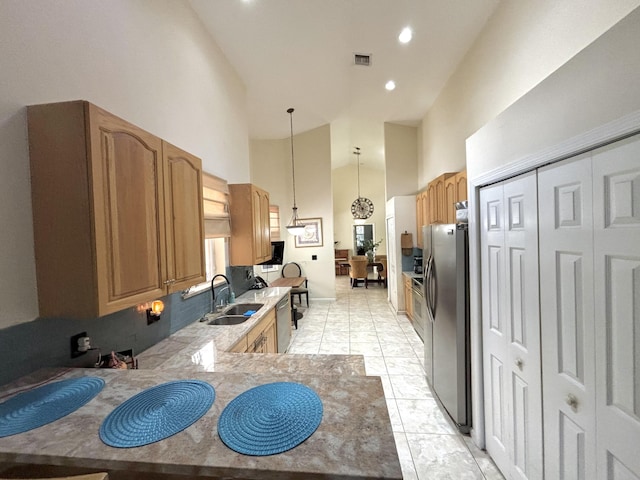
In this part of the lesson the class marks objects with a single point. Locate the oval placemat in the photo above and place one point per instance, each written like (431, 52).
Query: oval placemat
(270, 419)
(157, 413)
(46, 404)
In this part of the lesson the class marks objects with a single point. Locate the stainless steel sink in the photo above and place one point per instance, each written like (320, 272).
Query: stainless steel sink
(241, 308)
(233, 314)
(228, 320)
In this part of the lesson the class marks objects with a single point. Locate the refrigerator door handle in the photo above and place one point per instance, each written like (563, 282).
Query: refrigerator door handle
(433, 288)
(429, 289)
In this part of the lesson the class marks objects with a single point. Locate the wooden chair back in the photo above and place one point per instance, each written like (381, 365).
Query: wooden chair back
(291, 269)
(383, 273)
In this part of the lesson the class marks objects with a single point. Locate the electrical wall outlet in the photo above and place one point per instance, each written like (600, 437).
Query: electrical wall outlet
(74, 345)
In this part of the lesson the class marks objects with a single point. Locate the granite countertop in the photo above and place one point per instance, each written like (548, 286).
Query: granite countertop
(354, 439)
(203, 348)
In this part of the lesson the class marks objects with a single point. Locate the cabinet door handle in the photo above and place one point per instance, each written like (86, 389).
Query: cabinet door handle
(572, 401)
(519, 363)
(169, 282)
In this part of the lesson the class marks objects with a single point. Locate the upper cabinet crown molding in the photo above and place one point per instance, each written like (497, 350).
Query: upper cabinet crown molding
(117, 212)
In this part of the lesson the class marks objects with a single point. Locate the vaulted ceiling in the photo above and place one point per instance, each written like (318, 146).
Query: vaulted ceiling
(300, 54)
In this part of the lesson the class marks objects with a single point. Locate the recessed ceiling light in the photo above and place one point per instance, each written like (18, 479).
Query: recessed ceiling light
(390, 85)
(405, 35)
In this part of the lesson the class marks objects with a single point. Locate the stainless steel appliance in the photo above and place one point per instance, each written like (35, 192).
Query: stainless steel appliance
(283, 324)
(446, 338)
(419, 307)
(417, 265)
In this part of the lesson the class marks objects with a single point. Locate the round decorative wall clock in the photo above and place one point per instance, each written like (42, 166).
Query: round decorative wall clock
(362, 208)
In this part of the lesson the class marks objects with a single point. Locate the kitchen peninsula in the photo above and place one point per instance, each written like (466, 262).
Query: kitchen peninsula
(354, 439)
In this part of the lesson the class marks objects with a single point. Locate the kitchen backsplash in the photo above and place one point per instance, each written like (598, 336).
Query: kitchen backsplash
(45, 342)
(407, 260)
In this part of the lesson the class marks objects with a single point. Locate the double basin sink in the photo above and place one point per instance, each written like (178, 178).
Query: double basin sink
(234, 314)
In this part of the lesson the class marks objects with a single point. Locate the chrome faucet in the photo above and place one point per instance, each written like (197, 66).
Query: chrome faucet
(213, 292)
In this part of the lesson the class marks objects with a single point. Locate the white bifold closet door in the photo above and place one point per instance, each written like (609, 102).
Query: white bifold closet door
(590, 313)
(511, 326)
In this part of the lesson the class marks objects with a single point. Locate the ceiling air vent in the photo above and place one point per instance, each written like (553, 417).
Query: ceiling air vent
(362, 59)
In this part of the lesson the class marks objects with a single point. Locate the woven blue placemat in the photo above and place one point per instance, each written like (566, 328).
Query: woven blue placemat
(46, 404)
(157, 413)
(270, 419)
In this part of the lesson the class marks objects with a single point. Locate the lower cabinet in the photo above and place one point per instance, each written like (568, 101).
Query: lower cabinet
(408, 298)
(261, 339)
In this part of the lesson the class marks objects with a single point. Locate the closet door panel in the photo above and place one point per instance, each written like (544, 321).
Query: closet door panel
(523, 313)
(494, 331)
(616, 186)
(566, 308)
(511, 326)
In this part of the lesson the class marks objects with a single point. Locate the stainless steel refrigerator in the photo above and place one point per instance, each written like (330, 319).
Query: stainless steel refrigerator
(446, 340)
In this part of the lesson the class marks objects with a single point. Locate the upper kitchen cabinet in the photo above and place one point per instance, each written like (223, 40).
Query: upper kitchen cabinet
(117, 212)
(250, 242)
(438, 198)
(455, 188)
(436, 203)
(184, 218)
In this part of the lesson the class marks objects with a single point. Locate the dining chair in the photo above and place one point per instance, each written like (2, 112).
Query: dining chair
(358, 271)
(382, 272)
(291, 270)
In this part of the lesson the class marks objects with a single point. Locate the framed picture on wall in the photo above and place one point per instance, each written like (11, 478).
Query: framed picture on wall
(312, 235)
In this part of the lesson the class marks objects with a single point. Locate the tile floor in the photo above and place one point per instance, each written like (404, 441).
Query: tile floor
(361, 321)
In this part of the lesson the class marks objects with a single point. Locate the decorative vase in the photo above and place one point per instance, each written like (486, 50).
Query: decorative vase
(370, 255)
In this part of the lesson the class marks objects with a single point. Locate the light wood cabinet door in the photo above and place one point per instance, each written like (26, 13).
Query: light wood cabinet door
(440, 193)
(431, 203)
(113, 216)
(271, 343)
(184, 218)
(240, 347)
(128, 207)
(250, 242)
(450, 199)
(262, 224)
(408, 298)
(461, 185)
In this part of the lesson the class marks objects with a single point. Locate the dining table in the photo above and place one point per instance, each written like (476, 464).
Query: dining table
(378, 266)
(293, 282)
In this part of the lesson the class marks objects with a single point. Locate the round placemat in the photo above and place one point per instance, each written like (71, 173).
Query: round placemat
(46, 404)
(270, 419)
(157, 413)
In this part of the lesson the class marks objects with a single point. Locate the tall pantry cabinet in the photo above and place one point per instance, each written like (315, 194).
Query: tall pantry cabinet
(117, 212)
(588, 318)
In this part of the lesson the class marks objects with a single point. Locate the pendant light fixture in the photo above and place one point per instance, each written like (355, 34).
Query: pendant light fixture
(295, 227)
(361, 208)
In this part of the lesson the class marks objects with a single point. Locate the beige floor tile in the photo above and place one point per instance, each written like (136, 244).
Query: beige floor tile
(362, 322)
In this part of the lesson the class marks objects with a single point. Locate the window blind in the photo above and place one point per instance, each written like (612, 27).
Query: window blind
(215, 195)
(274, 222)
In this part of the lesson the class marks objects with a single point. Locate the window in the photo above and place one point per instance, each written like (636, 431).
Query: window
(215, 194)
(274, 222)
(360, 234)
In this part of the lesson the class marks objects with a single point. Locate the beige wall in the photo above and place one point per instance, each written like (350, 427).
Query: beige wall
(148, 61)
(345, 191)
(522, 43)
(271, 170)
(570, 103)
(401, 160)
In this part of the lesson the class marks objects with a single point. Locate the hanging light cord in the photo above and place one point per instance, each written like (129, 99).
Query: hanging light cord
(357, 152)
(293, 168)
